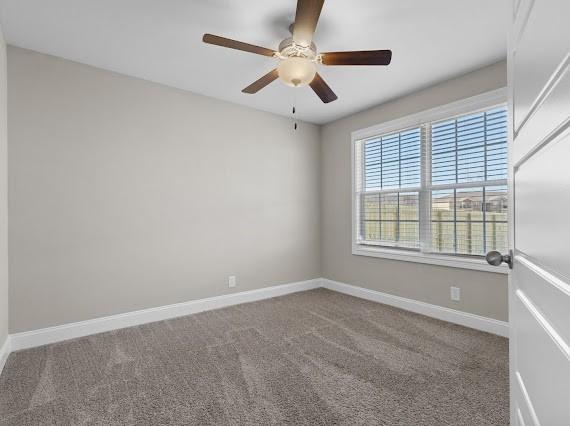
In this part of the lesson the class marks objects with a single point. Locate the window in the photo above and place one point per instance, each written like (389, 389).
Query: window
(435, 189)
(391, 175)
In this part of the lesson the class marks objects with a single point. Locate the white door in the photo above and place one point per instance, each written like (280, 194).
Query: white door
(539, 299)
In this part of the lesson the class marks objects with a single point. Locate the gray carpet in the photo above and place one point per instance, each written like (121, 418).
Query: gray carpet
(314, 358)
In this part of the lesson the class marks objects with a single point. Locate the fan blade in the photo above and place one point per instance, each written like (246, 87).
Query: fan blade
(256, 86)
(238, 45)
(306, 19)
(322, 89)
(363, 57)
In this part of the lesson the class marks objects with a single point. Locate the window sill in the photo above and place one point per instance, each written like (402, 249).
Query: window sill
(428, 258)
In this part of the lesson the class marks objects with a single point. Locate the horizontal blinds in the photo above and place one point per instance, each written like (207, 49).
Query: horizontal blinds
(469, 151)
(392, 165)
(393, 161)
(472, 148)
(460, 206)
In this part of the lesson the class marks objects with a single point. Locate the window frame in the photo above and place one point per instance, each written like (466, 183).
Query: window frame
(452, 110)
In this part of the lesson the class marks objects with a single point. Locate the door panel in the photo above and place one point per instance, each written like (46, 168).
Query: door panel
(542, 365)
(516, 8)
(543, 206)
(539, 148)
(551, 116)
(523, 407)
(547, 293)
(540, 49)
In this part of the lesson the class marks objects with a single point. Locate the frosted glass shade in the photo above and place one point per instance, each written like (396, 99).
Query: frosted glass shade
(297, 72)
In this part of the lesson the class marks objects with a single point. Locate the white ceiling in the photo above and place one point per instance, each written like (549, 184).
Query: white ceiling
(160, 40)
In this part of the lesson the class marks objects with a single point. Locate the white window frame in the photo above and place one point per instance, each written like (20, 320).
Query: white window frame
(449, 111)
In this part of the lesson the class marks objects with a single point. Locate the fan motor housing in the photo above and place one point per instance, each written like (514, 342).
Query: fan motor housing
(289, 48)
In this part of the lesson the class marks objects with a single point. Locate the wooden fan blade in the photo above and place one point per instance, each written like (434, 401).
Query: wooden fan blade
(262, 82)
(322, 89)
(238, 45)
(363, 57)
(306, 19)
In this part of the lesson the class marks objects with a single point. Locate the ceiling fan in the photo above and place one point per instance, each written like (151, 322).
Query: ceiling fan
(298, 56)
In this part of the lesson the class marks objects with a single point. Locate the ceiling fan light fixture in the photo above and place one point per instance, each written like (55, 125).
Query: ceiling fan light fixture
(297, 71)
(298, 56)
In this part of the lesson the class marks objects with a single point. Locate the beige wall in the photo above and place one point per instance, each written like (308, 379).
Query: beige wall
(126, 194)
(481, 293)
(3, 196)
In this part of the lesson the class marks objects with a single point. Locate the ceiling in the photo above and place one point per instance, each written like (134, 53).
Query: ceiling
(160, 40)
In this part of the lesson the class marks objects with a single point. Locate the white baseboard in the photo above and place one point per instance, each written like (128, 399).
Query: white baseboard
(44, 336)
(477, 322)
(34, 338)
(4, 352)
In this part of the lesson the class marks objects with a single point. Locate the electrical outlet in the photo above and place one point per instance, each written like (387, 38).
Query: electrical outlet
(455, 293)
(232, 281)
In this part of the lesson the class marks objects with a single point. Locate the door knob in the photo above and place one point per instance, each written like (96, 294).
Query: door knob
(495, 258)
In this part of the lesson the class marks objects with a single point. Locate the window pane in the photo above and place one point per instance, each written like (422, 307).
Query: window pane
(409, 234)
(470, 238)
(371, 231)
(496, 143)
(393, 161)
(496, 206)
(479, 222)
(371, 207)
(497, 233)
(409, 206)
(390, 219)
(389, 231)
(370, 214)
(390, 161)
(469, 204)
(471, 164)
(443, 149)
(389, 206)
(472, 148)
(443, 203)
(496, 203)
(443, 237)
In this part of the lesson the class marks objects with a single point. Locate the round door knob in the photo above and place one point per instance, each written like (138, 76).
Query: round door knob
(495, 258)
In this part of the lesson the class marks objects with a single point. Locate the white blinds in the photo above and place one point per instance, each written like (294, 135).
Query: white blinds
(468, 183)
(472, 148)
(438, 187)
(393, 161)
(391, 178)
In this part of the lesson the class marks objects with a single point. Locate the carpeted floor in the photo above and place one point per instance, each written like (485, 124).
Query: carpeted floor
(314, 358)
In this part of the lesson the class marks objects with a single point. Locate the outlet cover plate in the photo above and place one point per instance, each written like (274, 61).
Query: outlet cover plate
(232, 281)
(455, 293)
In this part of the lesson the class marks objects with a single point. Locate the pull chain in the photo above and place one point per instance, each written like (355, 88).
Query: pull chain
(295, 125)
(294, 110)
